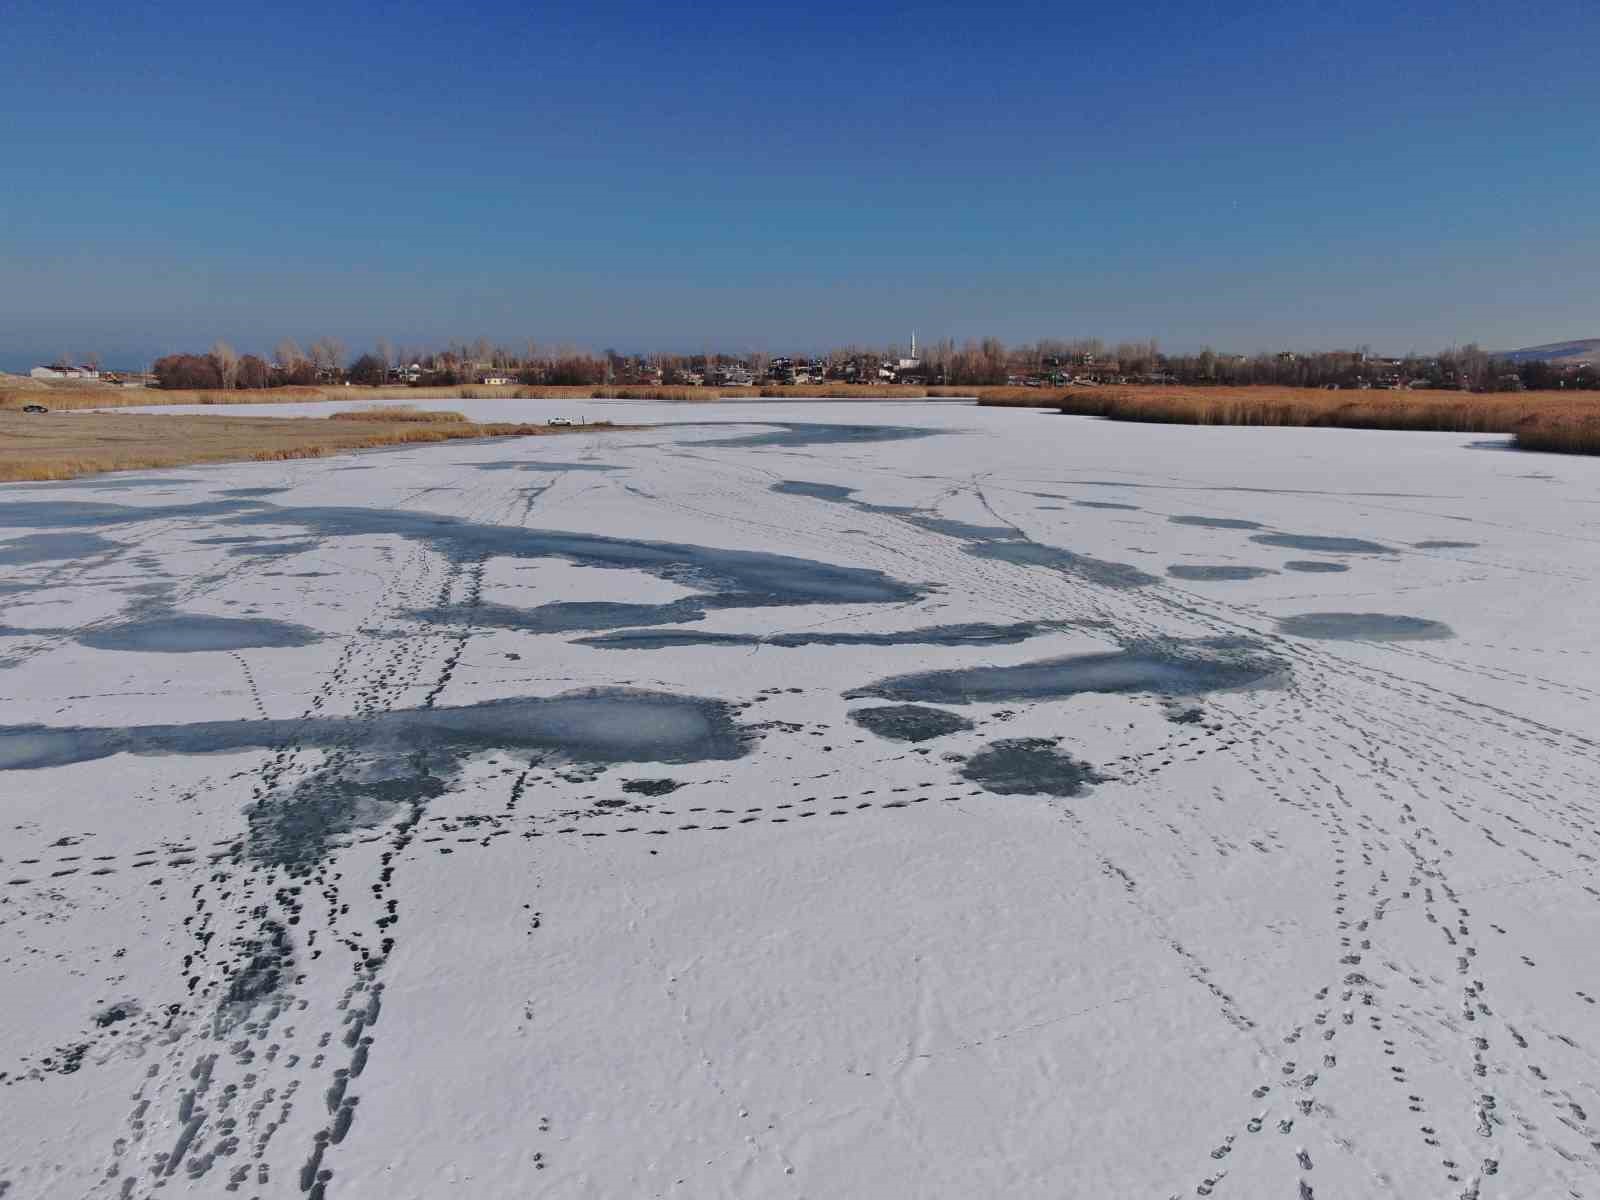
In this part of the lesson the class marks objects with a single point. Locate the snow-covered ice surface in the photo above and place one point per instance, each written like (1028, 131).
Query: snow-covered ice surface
(511, 819)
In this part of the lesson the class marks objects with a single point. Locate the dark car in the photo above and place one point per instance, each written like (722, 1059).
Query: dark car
(34, 408)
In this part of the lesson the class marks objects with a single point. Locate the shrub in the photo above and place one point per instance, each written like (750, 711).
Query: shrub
(187, 371)
(253, 373)
(369, 371)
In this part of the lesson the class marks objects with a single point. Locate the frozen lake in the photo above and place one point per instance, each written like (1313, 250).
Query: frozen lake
(806, 800)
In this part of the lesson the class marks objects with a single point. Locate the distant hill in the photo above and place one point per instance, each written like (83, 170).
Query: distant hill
(1557, 352)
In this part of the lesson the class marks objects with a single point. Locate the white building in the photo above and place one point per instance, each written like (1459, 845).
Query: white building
(84, 372)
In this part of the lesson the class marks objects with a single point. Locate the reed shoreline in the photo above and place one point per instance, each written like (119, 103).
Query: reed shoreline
(1559, 422)
(52, 446)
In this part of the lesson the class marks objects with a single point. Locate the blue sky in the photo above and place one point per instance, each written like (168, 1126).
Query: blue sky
(1241, 175)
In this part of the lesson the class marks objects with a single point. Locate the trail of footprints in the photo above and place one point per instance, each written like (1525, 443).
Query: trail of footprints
(1382, 870)
(248, 1061)
(246, 1000)
(1405, 867)
(239, 1057)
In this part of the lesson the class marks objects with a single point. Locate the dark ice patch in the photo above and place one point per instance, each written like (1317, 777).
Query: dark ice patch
(986, 541)
(1215, 522)
(183, 633)
(111, 1014)
(392, 760)
(794, 433)
(731, 578)
(909, 722)
(90, 514)
(1324, 545)
(53, 547)
(816, 491)
(961, 530)
(1107, 504)
(265, 549)
(599, 726)
(1216, 573)
(266, 957)
(651, 787)
(1024, 553)
(252, 491)
(975, 634)
(1363, 627)
(1312, 567)
(1445, 545)
(834, 494)
(566, 616)
(1028, 766)
(664, 639)
(1176, 669)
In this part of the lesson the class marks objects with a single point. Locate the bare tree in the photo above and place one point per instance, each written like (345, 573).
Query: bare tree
(287, 355)
(386, 352)
(227, 362)
(327, 354)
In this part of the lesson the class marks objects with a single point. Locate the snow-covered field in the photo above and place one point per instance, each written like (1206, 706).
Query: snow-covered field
(1028, 806)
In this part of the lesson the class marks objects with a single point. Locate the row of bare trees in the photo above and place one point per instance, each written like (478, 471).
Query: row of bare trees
(222, 367)
(1467, 368)
(973, 363)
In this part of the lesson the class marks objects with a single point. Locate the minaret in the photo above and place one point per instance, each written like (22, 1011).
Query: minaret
(913, 343)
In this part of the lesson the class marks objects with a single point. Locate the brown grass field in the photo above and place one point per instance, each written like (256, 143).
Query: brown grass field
(66, 445)
(1566, 422)
(71, 397)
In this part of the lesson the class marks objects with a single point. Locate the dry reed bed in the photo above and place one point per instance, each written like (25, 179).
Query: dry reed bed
(1003, 396)
(1561, 434)
(68, 445)
(1567, 422)
(397, 412)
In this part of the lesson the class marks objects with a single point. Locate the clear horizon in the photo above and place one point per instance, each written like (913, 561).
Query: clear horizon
(750, 178)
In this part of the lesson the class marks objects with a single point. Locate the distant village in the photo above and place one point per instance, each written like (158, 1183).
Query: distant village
(986, 363)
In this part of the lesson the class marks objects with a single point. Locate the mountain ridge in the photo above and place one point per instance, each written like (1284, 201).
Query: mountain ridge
(1574, 350)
